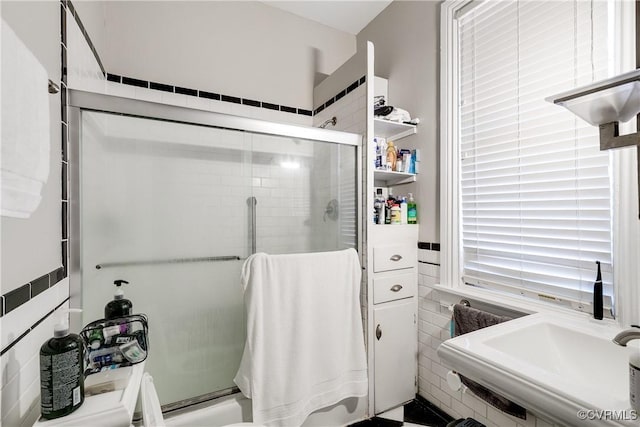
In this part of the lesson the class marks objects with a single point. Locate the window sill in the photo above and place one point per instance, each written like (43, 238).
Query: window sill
(508, 305)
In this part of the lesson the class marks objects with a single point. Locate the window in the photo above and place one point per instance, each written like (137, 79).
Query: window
(528, 192)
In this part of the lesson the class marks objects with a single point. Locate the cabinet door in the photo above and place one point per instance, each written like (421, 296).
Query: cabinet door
(395, 347)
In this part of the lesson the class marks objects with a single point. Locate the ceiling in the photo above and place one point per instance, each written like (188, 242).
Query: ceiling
(348, 16)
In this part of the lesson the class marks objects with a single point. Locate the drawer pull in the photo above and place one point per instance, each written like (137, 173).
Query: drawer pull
(396, 257)
(396, 288)
(378, 332)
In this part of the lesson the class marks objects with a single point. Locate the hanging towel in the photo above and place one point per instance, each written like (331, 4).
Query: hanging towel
(24, 162)
(305, 342)
(469, 319)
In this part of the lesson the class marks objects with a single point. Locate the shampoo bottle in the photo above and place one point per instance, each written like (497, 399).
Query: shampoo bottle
(634, 375)
(61, 371)
(404, 211)
(391, 156)
(119, 306)
(412, 210)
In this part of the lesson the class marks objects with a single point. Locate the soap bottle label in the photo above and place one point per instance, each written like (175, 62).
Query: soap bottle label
(634, 387)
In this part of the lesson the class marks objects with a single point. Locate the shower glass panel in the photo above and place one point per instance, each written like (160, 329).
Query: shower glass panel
(171, 208)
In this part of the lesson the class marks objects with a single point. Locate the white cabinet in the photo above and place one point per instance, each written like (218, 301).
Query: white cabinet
(394, 334)
(395, 348)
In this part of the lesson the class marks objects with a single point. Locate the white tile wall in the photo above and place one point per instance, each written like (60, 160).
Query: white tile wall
(433, 329)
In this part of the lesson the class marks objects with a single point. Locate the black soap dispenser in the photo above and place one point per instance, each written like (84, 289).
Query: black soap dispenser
(597, 295)
(119, 306)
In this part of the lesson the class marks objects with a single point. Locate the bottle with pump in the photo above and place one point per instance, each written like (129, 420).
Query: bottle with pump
(61, 371)
(403, 211)
(412, 210)
(119, 306)
(597, 295)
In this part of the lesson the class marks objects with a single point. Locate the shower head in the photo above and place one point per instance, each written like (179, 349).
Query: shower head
(333, 120)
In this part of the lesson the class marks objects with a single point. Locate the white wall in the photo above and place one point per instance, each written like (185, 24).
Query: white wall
(406, 40)
(31, 247)
(243, 49)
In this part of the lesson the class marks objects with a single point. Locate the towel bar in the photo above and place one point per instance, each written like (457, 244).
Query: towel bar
(53, 88)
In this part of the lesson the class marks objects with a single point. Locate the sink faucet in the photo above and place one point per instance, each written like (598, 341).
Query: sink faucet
(623, 337)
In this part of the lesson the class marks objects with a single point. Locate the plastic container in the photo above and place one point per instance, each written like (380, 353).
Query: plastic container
(396, 215)
(403, 211)
(412, 210)
(119, 306)
(634, 375)
(61, 372)
(391, 156)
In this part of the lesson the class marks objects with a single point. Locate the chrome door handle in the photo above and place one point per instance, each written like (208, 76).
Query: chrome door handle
(396, 257)
(378, 332)
(396, 288)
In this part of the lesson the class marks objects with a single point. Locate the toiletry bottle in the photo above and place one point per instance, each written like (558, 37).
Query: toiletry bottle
(634, 374)
(395, 214)
(391, 156)
(119, 306)
(597, 295)
(412, 210)
(403, 211)
(61, 371)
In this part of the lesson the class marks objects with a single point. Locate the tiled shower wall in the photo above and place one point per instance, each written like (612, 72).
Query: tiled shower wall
(433, 329)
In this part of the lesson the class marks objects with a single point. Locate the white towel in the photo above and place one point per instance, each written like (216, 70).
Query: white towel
(305, 342)
(24, 163)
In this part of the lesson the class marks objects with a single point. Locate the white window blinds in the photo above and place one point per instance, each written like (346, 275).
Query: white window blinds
(535, 188)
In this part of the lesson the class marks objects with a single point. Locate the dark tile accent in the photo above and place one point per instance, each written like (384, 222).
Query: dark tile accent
(71, 8)
(317, 110)
(435, 247)
(63, 24)
(135, 82)
(340, 95)
(1, 306)
(65, 192)
(65, 252)
(17, 297)
(305, 112)
(56, 276)
(63, 142)
(114, 78)
(377, 422)
(329, 102)
(424, 245)
(65, 210)
(16, 341)
(39, 285)
(362, 79)
(250, 102)
(288, 109)
(160, 86)
(353, 86)
(271, 106)
(421, 411)
(209, 95)
(227, 98)
(186, 91)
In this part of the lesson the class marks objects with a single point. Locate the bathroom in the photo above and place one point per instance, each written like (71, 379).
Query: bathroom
(289, 58)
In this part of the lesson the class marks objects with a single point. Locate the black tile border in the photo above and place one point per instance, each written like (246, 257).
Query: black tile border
(353, 86)
(35, 325)
(23, 294)
(429, 246)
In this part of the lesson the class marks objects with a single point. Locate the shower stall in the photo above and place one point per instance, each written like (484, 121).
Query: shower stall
(173, 200)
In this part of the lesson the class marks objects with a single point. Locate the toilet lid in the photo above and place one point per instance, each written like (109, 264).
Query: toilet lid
(151, 411)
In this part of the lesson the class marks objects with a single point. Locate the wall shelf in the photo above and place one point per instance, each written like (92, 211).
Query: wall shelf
(392, 130)
(393, 178)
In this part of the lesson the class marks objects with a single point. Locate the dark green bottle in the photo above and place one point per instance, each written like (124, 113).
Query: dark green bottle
(61, 373)
(119, 306)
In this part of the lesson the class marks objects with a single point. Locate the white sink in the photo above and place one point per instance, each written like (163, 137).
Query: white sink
(552, 365)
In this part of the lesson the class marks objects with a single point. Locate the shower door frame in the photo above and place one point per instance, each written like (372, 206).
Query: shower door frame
(79, 101)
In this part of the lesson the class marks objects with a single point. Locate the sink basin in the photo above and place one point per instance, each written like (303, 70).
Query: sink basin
(553, 365)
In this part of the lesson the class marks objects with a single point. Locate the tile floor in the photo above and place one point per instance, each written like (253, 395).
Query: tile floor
(417, 413)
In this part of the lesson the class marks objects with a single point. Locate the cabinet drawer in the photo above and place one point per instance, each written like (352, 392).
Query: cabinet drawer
(387, 258)
(394, 287)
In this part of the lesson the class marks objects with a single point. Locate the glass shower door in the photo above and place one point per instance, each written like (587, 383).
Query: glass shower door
(176, 208)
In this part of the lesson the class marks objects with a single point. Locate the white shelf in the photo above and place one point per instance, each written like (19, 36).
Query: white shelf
(392, 130)
(393, 178)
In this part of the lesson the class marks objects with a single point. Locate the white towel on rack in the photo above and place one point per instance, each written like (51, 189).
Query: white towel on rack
(305, 342)
(24, 164)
